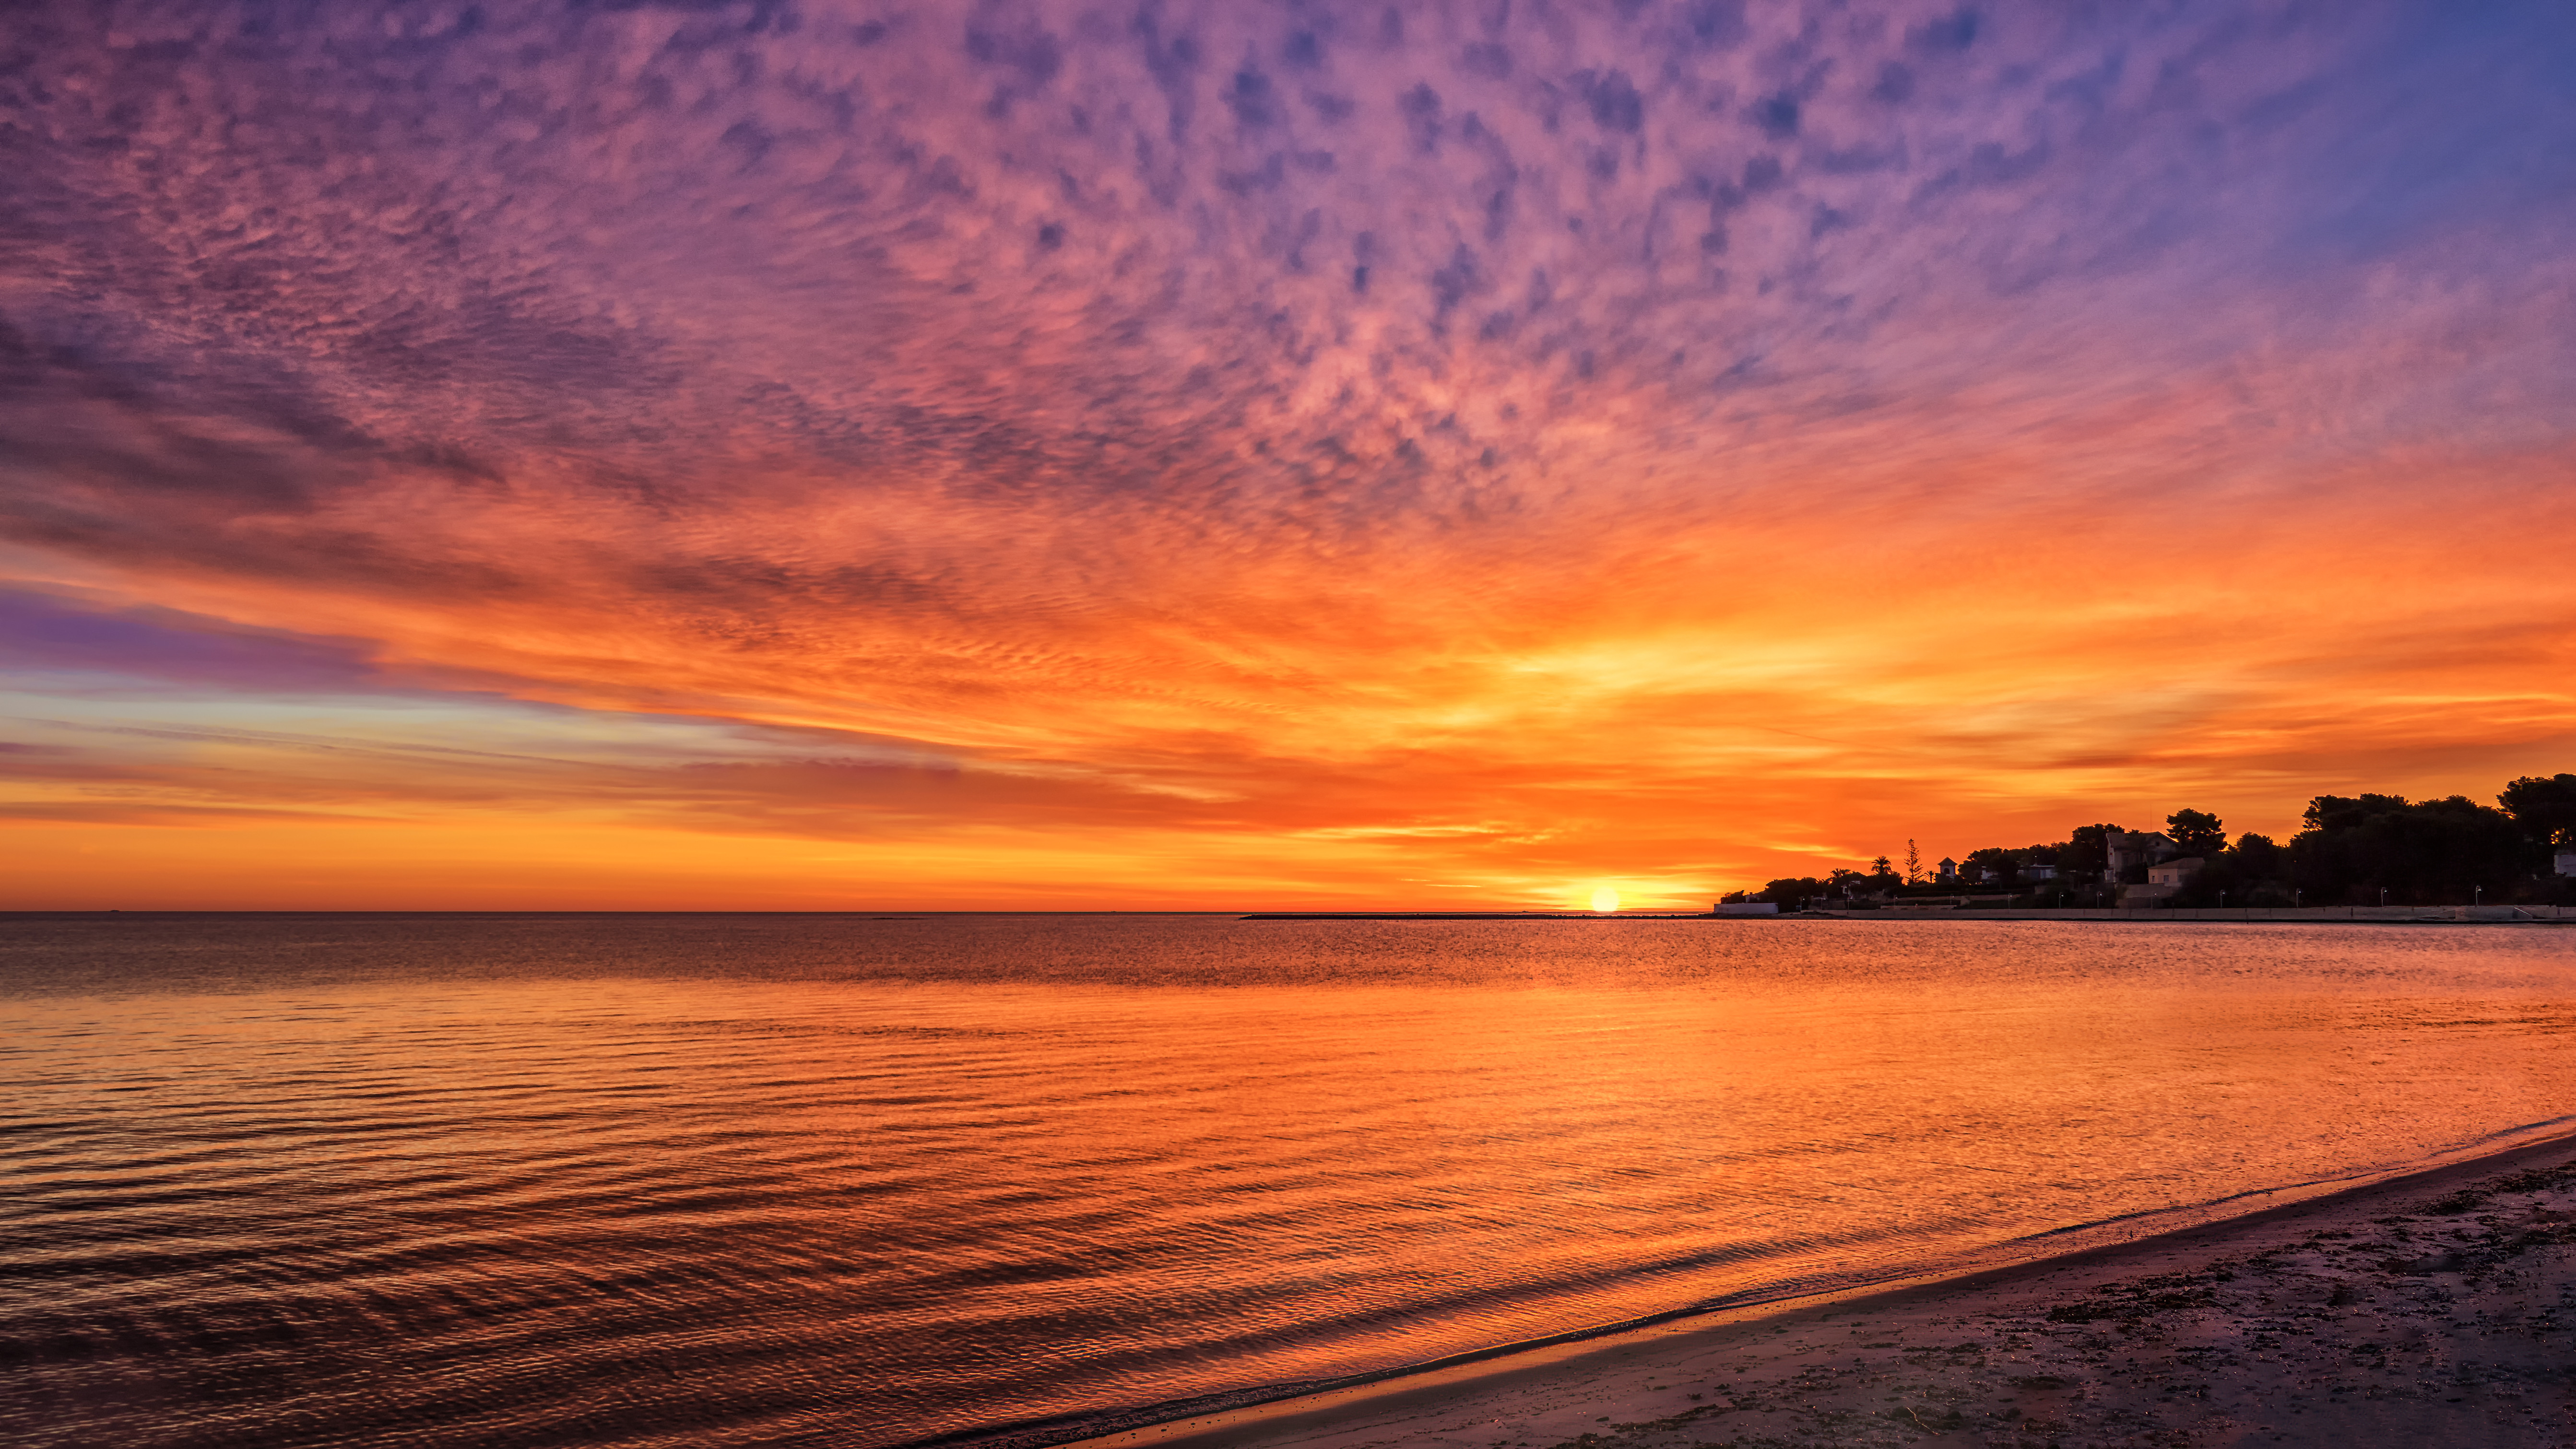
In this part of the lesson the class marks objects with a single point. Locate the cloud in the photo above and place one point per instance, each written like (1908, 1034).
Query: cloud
(73, 647)
(1245, 423)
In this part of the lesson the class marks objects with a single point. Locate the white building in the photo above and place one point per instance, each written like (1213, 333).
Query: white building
(2174, 872)
(2567, 862)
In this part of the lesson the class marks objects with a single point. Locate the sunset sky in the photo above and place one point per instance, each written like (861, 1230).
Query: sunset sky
(808, 455)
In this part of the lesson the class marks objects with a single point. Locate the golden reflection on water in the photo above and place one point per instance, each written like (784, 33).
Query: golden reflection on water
(613, 1179)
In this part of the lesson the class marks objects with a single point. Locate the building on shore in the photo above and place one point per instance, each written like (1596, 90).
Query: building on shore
(2567, 862)
(2165, 880)
(2128, 849)
(2175, 872)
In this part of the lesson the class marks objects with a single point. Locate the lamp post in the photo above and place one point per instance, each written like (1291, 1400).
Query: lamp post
(2383, 895)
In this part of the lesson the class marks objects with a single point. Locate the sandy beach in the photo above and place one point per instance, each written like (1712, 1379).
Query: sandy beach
(2437, 1309)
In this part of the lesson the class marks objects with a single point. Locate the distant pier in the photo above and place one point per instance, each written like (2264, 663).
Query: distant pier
(2318, 915)
(1495, 916)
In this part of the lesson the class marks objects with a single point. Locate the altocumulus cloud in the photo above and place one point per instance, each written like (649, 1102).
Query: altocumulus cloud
(1209, 395)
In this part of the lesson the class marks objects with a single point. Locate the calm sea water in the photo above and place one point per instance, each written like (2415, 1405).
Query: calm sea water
(733, 1180)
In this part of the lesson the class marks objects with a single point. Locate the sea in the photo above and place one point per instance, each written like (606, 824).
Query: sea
(1013, 1180)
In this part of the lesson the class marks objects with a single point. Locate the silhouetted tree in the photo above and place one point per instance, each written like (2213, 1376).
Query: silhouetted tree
(2421, 852)
(1793, 892)
(2543, 807)
(2249, 873)
(1994, 864)
(2089, 852)
(2258, 857)
(2196, 832)
(1913, 865)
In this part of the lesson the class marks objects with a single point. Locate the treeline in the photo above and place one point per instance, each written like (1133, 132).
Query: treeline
(2350, 850)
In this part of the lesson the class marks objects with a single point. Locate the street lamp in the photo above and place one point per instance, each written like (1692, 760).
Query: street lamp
(2383, 895)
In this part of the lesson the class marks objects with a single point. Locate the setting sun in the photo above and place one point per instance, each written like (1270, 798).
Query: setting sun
(1605, 900)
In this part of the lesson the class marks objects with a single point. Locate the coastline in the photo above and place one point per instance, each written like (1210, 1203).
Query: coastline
(2311, 1321)
(2254, 915)
(2251, 915)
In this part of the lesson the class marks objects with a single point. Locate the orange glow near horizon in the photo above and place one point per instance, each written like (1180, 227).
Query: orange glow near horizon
(1218, 769)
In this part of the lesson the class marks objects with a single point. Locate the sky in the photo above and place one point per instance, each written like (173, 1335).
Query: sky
(786, 454)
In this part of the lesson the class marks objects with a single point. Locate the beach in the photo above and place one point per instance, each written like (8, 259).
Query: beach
(2435, 1309)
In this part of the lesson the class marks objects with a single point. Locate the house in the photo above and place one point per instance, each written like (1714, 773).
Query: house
(2175, 872)
(2128, 848)
(2567, 862)
(1949, 869)
(2038, 872)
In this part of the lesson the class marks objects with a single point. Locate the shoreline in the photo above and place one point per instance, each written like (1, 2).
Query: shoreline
(2256, 915)
(2251, 915)
(1694, 1378)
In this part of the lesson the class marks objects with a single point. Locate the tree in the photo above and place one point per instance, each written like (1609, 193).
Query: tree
(2196, 832)
(1913, 864)
(2089, 852)
(1993, 864)
(2421, 852)
(2258, 858)
(2248, 873)
(2544, 808)
(1792, 892)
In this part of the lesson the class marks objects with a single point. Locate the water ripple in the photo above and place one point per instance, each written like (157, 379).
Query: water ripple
(369, 1181)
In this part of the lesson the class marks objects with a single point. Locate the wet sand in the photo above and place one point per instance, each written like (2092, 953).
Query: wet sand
(2433, 1310)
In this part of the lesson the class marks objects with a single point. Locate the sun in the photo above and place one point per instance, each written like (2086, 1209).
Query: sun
(1605, 900)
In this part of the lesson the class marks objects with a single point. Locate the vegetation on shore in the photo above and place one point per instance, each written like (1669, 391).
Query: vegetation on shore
(2350, 850)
